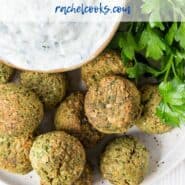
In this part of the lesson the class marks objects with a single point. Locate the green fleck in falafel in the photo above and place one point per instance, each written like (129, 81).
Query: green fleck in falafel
(108, 63)
(85, 179)
(112, 105)
(124, 162)
(51, 88)
(6, 73)
(58, 158)
(149, 122)
(21, 111)
(14, 154)
(70, 118)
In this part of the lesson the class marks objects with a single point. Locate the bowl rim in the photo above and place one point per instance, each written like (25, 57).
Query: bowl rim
(98, 51)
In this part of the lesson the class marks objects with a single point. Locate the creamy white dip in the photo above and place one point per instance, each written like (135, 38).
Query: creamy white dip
(34, 38)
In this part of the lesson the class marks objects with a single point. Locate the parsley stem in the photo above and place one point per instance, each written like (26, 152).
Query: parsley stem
(169, 66)
(131, 27)
(174, 71)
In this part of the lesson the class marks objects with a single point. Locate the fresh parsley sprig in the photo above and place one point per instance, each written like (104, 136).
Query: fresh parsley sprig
(157, 50)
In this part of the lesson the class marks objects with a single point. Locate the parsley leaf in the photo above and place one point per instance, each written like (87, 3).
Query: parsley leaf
(152, 43)
(157, 25)
(170, 36)
(115, 43)
(136, 71)
(173, 92)
(158, 10)
(179, 57)
(172, 107)
(157, 49)
(128, 44)
(180, 35)
(167, 115)
(139, 69)
(152, 7)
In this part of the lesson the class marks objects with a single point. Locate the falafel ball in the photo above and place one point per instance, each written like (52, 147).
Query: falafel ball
(85, 179)
(112, 105)
(14, 154)
(125, 161)
(70, 118)
(51, 88)
(108, 63)
(21, 110)
(58, 158)
(149, 122)
(6, 73)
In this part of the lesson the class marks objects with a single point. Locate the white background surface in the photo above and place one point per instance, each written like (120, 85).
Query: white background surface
(175, 177)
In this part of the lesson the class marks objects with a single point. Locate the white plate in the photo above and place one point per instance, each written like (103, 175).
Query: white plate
(164, 157)
(166, 151)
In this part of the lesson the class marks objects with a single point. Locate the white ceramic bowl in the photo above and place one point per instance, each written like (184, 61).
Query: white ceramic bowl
(50, 44)
(87, 57)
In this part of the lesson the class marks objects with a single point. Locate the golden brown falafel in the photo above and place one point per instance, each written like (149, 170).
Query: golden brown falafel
(85, 179)
(112, 105)
(68, 115)
(108, 63)
(70, 118)
(51, 88)
(6, 73)
(125, 161)
(21, 111)
(149, 122)
(14, 154)
(58, 158)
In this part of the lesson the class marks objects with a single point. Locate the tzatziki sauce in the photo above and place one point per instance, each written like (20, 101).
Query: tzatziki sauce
(43, 41)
